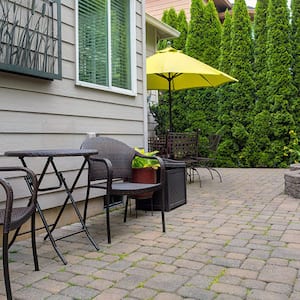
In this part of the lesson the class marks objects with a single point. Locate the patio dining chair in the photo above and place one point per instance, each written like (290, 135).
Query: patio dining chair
(207, 161)
(110, 170)
(183, 146)
(12, 218)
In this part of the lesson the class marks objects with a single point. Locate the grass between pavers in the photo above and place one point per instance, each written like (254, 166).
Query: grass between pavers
(216, 279)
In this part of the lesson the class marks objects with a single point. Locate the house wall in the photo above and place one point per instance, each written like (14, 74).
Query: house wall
(38, 114)
(156, 8)
(151, 45)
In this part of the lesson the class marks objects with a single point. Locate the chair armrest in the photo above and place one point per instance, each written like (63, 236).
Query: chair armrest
(109, 169)
(162, 169)
(10, 196)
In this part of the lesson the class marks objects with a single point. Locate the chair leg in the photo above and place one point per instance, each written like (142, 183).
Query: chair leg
(196, 171)
(217, 173)
(86, 202)
(126, 209)
(107, 201)
(152, 205)
(33, 243)
(163, 221)
(162, 205)
(5, 267)
(211, 174)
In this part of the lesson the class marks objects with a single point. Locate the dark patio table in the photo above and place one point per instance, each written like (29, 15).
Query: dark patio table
(50, 155)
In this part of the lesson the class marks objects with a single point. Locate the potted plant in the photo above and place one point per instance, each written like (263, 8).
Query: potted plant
(144, 168)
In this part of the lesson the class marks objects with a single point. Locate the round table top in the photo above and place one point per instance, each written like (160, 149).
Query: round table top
(51, 152)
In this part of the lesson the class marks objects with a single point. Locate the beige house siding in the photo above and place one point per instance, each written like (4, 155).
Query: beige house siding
(156, 8)
(37, 113)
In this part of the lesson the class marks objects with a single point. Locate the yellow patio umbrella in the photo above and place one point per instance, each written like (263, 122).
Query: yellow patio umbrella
(171, 70)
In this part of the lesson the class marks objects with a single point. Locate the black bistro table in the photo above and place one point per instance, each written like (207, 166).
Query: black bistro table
(50, 155)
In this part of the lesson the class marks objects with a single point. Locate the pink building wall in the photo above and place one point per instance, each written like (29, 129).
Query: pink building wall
(156, 8)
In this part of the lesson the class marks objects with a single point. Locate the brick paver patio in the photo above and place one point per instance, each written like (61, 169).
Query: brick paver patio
(239, 239)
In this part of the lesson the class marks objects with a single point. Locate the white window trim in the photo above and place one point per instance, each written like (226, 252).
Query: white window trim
(133, 91)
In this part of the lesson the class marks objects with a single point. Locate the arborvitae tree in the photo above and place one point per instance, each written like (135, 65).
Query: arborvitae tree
(281, 92)
(162, 44)
(195, 45)
(182, 27)
(295, 38)
(242, 93)
(258, 140)
(194, 42)
(212, 35)
(225, 51)
(206, 98)
(223, 95)
(260, 54)
(172, 18)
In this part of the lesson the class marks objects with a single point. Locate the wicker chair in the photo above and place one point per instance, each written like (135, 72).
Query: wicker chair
(12, 218)
(113, 165)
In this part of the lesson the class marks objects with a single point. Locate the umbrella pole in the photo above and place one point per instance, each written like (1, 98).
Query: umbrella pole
(170, 105)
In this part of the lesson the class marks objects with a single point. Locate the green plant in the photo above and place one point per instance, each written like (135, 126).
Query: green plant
(293, 149)
(140, 162)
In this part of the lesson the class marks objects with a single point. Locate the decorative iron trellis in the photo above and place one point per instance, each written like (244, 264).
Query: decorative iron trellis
(30, 37)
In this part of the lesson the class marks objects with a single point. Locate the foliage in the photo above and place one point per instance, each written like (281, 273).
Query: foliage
(237, 105)
(162, 44)
(225, 50)
(203, 42)
(160, 111)
(212, 35)
(194, 41)
(281, 91)
(258, 117)
(179, 22)
(295, 38)
(143, 162)
(293, 149)
(223, 94)
(182, 27)
(160, 114)
(260, 54)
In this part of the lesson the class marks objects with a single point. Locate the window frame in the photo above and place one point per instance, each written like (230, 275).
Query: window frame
(133, 63)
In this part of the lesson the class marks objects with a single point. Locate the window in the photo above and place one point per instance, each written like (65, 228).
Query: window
(105, 50)
(30, 38)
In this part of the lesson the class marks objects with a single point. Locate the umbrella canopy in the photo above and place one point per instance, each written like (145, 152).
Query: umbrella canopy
(171, 70)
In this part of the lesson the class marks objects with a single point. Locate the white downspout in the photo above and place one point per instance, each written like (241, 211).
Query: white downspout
(144, 76)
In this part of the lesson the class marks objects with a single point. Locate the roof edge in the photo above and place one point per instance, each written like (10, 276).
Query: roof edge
(166, 30)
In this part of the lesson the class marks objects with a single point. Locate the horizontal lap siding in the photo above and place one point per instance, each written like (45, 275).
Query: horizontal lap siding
(39, 114)
(156, 8)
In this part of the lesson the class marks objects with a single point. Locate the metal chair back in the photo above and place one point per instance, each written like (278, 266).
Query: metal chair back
(12, 218)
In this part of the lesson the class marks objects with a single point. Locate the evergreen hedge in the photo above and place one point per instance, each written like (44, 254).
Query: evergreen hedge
(258, 117)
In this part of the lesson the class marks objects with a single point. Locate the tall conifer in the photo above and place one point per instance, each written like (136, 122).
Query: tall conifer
(194, 41)
(254, 153)
(260, 54)
(225, 51)
(295, 7)
(203, 43)
(241, 93)
(223, 95)
(182, 27)
(281, 92)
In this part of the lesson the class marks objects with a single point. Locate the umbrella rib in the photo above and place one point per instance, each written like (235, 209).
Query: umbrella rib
(170, 77)
(206, 80)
